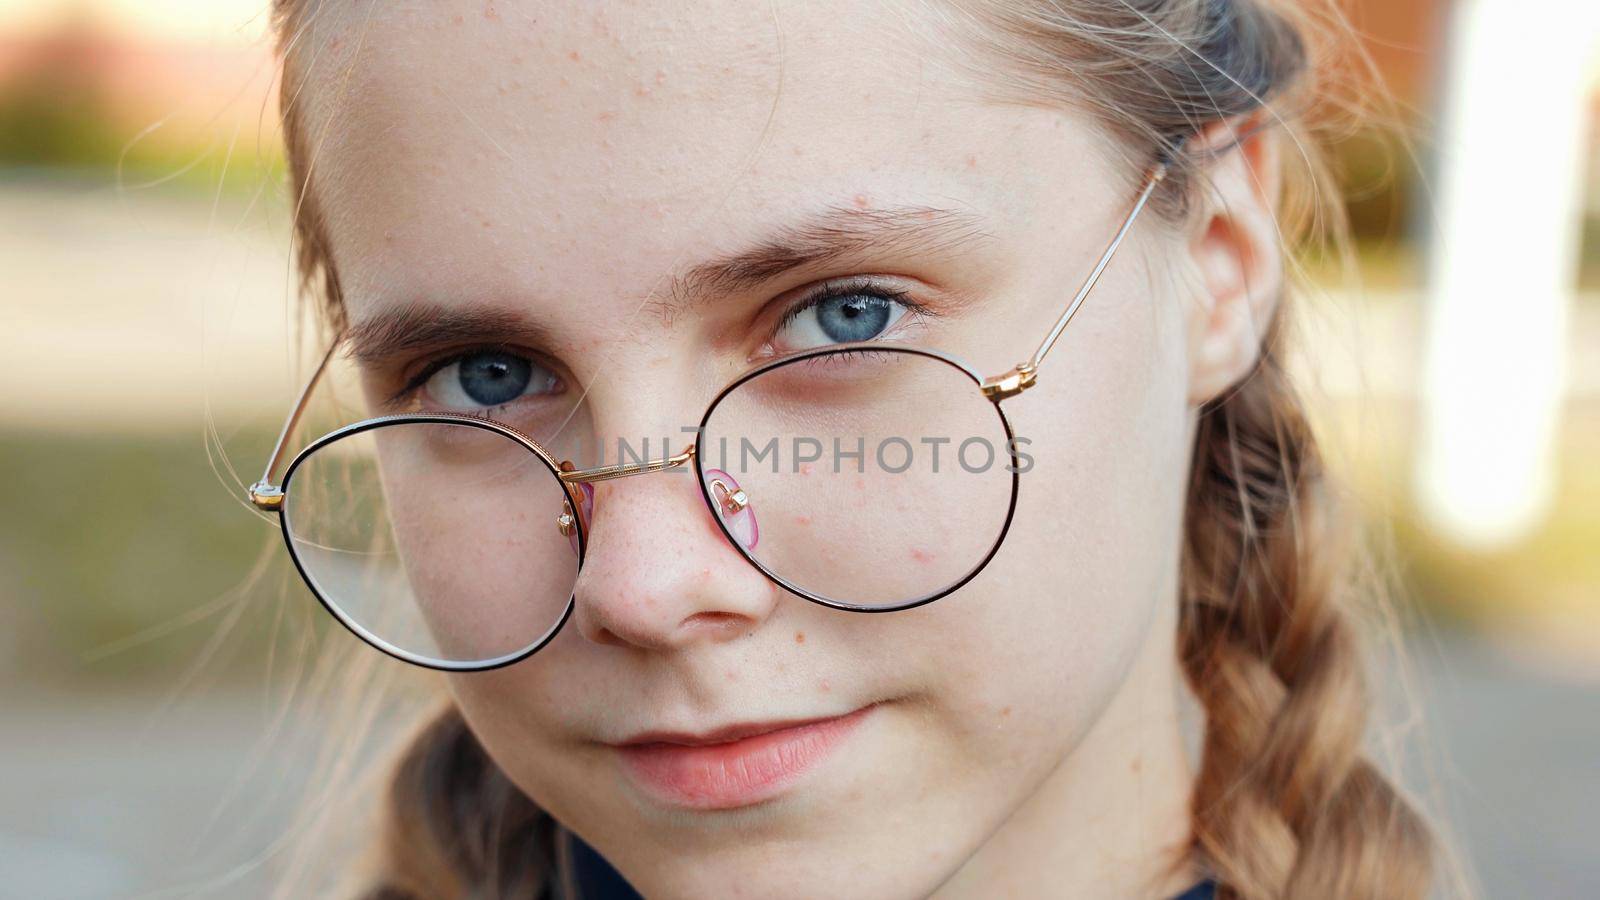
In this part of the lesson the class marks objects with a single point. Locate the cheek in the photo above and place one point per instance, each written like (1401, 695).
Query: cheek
(1036, 647)
(525, 717)
(487, 573)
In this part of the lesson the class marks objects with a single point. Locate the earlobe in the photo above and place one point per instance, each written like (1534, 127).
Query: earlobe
(1234, 253)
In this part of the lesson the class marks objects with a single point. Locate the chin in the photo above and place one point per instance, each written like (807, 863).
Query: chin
(842, 868)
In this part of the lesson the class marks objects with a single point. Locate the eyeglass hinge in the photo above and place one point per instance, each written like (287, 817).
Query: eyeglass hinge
(1019, 379)
(266, 496)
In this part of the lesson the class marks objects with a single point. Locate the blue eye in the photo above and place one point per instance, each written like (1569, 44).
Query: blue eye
(849, 315)
(487, 378)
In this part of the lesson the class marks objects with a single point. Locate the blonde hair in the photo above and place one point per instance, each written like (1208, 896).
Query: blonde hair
(1285, 804)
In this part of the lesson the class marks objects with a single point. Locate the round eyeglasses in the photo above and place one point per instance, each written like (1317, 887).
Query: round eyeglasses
(867, 476)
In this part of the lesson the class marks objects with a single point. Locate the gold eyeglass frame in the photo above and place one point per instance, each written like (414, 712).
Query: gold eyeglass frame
(269, 496)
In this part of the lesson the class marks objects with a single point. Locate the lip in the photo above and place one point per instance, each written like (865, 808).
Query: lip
(736, 765)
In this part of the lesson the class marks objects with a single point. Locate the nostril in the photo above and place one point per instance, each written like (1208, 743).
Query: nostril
(723, 624)
(714, 617)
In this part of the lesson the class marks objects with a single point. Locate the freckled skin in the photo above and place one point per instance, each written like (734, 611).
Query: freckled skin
(595, 192)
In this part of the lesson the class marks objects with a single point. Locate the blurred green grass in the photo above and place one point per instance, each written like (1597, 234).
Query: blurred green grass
(1550, 576)
(129, 555)
(1544, 586)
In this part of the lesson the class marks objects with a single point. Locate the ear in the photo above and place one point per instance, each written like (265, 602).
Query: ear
(1234, 250)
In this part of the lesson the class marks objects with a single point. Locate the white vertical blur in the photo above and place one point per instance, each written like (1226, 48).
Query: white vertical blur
(1504, 264)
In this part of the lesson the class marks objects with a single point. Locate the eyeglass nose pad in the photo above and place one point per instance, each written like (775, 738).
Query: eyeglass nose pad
(567, 524)
(733, 507)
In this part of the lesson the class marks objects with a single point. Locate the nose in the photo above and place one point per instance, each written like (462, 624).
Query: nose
(659, 573)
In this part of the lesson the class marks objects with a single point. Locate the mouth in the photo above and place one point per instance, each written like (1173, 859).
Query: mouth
(733, 766)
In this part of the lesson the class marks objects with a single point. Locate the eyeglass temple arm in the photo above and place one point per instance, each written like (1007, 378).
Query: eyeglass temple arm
(1021, 376)
(264, 494)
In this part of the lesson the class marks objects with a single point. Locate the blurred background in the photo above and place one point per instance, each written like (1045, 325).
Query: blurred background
(152, 638)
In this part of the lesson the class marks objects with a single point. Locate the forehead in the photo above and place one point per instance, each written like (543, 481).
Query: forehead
(518, 143)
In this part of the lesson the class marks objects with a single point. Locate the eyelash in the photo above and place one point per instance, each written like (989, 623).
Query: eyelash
(860, 286)
(432, 367)
(864, 287)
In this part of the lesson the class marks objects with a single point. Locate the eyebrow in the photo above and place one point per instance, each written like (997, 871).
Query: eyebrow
(386, 335)
(834, 236)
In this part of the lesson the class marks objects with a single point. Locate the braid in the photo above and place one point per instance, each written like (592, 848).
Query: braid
(1285, 803)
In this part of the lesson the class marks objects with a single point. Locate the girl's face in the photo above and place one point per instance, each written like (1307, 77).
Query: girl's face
(557, 167)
